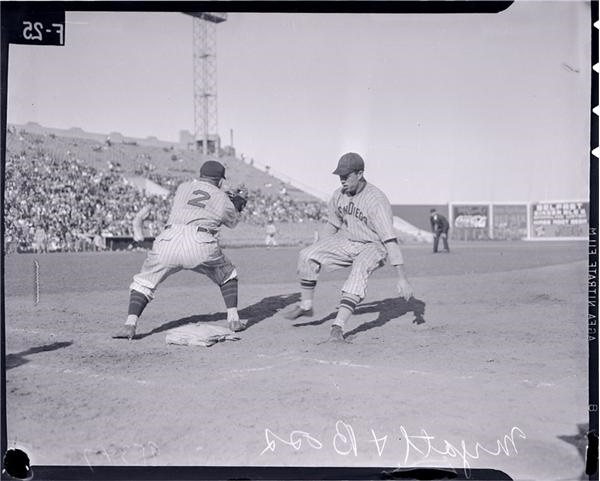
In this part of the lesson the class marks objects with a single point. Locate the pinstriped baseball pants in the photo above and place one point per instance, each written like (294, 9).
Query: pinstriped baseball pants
(337, 251)
(182, 247)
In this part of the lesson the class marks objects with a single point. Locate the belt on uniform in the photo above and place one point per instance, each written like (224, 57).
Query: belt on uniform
(200, 229)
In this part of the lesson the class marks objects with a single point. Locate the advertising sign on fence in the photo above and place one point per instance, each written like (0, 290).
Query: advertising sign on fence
(509, 222)
(470, 222)
(559, 219)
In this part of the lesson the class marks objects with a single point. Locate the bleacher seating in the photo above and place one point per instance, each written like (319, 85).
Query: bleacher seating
(72, 189)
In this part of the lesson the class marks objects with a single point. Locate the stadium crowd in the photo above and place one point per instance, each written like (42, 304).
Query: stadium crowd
(64, 205)
(280, 208)
(60, 203)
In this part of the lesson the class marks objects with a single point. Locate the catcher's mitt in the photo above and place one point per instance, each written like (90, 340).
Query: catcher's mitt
(239, 197)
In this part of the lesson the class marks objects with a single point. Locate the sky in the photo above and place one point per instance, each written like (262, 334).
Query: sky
(443, 108)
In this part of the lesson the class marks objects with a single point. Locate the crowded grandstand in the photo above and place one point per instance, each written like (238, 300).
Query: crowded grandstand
(71, 194)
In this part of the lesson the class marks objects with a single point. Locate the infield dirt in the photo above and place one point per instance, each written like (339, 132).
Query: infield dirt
(495, 378)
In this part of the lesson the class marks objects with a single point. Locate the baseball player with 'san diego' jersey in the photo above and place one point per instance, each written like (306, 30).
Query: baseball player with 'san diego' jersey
(360, 234)
(189, 241)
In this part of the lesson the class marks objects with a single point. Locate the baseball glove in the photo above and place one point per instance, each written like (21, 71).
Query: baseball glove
(239, 197)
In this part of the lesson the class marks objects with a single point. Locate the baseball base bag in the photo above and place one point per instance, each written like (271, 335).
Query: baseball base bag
(200, 335)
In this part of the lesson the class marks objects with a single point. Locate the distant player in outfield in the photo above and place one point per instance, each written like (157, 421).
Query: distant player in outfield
(98, 240)
(440, 227)
(40, 240)
(138, 226)
(271, 231)
(189, 241)
(360, 234)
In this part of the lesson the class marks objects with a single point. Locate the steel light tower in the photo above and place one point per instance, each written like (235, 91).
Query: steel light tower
(205, 80)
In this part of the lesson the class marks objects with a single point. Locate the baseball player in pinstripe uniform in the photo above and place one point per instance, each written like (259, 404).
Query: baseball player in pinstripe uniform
(360, 234)
(189, 241)
(138, 226)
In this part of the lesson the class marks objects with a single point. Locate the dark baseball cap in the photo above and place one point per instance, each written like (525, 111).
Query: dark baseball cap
(212, 168)
(349, 162)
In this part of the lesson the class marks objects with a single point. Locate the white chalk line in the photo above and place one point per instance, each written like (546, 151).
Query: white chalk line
(298, 359)
(289, 360)
(292, 360)
(346, 363)
(30, 331)
(85, 373)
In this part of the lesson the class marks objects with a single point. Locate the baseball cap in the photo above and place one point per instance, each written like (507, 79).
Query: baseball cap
(349, 162)
(212, 168)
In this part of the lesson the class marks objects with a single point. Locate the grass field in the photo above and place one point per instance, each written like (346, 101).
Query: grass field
(495, 378)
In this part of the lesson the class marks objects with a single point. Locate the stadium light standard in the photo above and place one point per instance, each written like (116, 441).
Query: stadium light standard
(205, 79)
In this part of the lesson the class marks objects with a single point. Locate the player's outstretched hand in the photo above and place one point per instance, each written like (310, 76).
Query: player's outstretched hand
(405, 290)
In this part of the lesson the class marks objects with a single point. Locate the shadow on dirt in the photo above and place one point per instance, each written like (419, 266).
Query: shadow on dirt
(387, 309)
(19, 358)
(255, 313)
(267, 307)
(217, 316)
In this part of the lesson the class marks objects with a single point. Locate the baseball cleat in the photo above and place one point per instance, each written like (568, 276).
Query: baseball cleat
(297, 312)
(126, 332)
(337, 334)
(238, 325)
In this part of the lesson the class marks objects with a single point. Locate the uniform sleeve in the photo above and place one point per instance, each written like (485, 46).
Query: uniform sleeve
(382, 220)
(333, 215)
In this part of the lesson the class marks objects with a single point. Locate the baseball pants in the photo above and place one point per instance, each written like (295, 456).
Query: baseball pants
(336, 252)
(182, 247)
(436, 240)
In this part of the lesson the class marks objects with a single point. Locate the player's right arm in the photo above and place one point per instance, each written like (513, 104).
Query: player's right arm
(334, 219)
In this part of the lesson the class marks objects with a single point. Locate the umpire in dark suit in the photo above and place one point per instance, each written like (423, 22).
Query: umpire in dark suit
(440, 228)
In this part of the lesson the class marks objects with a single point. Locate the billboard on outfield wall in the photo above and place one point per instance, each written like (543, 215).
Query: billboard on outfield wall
(528, 220)
(509, 221)
(559, 220)
(470, 221)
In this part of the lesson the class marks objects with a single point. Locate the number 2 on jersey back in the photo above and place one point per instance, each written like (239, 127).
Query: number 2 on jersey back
(199, 201)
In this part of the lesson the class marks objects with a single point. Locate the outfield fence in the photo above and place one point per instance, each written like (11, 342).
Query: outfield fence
(543, 220)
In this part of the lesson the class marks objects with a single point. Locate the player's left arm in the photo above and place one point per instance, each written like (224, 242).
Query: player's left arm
(383, 224)
(395, 256)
